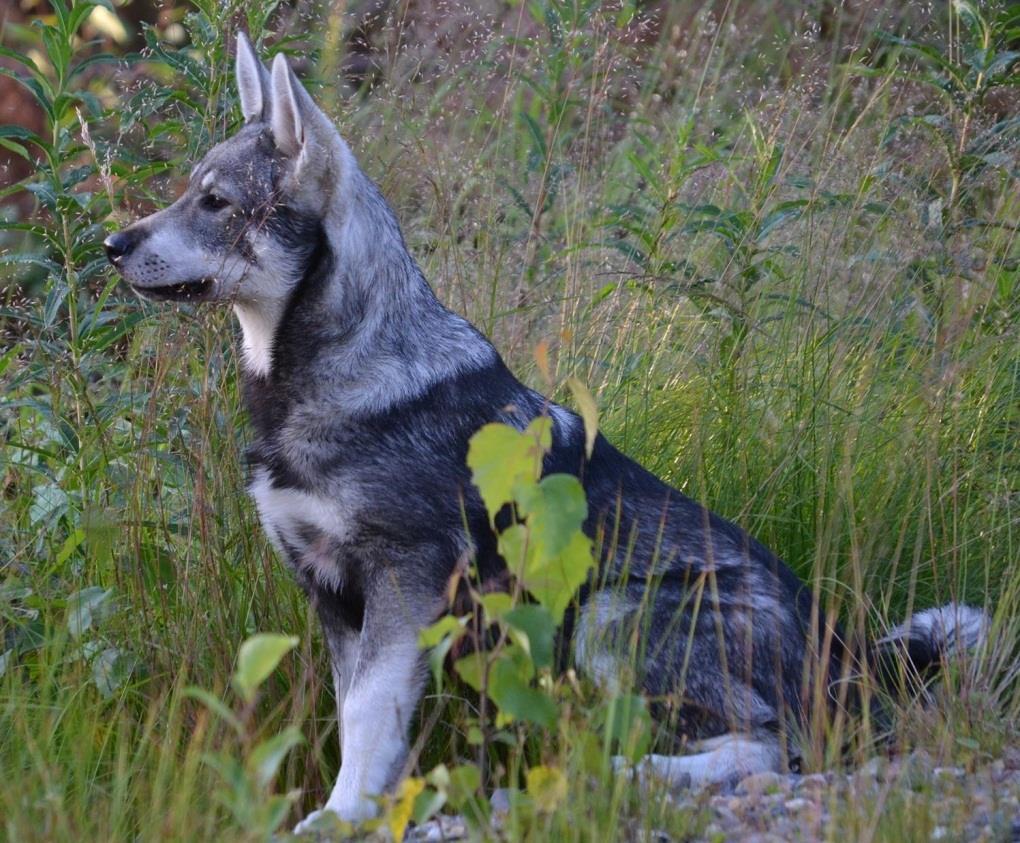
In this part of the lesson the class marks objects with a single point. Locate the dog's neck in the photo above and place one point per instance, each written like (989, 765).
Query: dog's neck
(362, 323)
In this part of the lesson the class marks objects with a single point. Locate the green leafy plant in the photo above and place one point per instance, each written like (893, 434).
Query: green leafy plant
(248, 774)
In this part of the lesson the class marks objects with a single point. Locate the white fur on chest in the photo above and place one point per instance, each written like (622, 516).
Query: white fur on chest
(309, 525)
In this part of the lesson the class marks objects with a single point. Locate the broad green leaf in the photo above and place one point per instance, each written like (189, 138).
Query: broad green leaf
(516, 699)
(501, 458)
(471, 668)
(554, 581)
(432, 635)
(110, 670)
(265, 759)
(427, 805)
(496, 604)
(439, 638)
(537, 625)
(257, 658)
(465, 782)
(555, 509)
(84, 607)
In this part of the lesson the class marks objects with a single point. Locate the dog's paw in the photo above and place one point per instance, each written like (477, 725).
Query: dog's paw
(326, 822)
(338, 818)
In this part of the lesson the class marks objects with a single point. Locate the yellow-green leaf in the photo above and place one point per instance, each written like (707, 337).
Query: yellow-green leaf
(399, 814)
(547, 787)
(501, 459)
(589, 412)
(258, 657)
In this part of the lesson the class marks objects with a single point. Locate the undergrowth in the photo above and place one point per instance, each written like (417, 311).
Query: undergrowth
(778, 246)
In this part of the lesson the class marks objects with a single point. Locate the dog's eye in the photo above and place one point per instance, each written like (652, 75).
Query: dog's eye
(212, 202)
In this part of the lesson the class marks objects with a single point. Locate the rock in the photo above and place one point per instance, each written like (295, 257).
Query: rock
(761, 783)
(500, 800)
(813, 783)
(797, 804)
(948, 773)
(438, 829)
(874, 768)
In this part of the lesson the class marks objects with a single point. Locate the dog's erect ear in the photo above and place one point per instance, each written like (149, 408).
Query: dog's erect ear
(285, 113)
(252, 81)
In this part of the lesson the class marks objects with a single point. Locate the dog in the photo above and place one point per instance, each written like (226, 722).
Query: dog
(363, 390)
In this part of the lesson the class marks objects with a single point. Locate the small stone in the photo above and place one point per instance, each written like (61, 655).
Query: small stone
(874, 768)
(949, 773)
(500, 800)
(761, 783)
(797, 804)
(813, 783)
(439, 829)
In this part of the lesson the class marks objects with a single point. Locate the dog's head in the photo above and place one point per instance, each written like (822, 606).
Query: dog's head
(250, 218)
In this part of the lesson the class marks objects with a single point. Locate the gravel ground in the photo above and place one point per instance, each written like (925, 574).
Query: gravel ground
(904, 799)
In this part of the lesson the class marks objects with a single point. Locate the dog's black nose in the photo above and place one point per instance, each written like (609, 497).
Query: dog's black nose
(117, 245)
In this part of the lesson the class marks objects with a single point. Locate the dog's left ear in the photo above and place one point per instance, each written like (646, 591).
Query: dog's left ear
(301, 131)
(285, 115)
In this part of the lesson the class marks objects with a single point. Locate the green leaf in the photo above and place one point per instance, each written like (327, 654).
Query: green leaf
(265, 759)
(783, 213)
(554, 582)
(432, 635)
(555, 508)
(496, 604)
(471, 668)
(516, 699)
(258, 657)
(501, 458)
(439, 639)
(84, 608)
(427, 805)
(537, 625)
(110, 670)
(216, 706)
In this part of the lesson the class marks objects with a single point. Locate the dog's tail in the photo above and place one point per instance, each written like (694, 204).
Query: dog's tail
(925, 642)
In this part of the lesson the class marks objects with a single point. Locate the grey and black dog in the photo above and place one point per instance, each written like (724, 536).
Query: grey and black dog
(364, 391)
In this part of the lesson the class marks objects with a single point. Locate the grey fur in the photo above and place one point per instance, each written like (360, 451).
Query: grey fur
(364, 389)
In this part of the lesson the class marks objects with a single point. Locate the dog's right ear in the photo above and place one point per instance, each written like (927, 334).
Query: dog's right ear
(252, 81)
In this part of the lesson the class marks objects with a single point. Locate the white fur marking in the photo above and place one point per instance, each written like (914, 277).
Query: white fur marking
(954, 628)
(564, 418)
(258, 334)
(592, 653)
(283, 511)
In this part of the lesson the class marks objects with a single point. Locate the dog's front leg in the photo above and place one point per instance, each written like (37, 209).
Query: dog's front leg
(375, 715)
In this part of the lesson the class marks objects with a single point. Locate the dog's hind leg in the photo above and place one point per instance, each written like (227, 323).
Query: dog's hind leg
(724, 759)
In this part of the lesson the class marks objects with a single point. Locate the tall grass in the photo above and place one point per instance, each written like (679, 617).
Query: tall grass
(780, 247)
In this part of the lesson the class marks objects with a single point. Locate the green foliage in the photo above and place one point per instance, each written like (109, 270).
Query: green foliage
(247, 777)
(790, 282)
